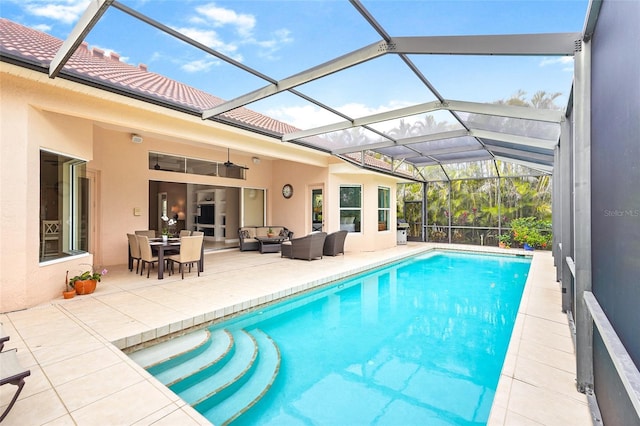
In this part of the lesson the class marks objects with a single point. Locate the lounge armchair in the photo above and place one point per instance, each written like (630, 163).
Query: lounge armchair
(11, 373)
(308, 247)
(334, 243)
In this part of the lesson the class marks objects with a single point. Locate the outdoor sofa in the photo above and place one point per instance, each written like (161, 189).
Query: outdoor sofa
(247, 234)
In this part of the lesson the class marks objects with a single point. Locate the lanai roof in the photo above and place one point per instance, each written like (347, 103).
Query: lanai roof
(426, 139)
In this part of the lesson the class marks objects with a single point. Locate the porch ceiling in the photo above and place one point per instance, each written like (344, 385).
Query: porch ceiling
(429, 129)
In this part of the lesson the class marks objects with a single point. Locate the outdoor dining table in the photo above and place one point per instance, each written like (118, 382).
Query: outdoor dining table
(161, 247)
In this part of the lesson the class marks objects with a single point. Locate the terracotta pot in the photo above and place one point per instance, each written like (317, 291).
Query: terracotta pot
(270, 235)
(85, 286)
(69, 294)
(502, 245)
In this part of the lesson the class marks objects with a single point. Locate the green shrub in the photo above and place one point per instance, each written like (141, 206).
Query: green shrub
(536, 233)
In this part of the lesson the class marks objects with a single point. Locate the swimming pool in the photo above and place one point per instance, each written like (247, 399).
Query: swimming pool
(421, 341)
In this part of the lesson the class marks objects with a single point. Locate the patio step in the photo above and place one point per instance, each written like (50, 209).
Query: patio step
(221, 373)
(212, 355)
(224, 407)
(220, 379)
(166, 351)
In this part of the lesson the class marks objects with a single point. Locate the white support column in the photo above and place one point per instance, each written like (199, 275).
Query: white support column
(566, 194)
(556, 213)
(582, 216)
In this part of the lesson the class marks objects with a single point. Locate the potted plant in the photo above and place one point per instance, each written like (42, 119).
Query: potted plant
(504, 241)
(86, 282)
(270, 232)
(169, 228)
(70, 292)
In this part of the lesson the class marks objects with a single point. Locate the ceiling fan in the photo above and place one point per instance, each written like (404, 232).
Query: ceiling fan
(228, 163)
(157, 166)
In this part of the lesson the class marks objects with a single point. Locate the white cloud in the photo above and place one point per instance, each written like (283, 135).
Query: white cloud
(65, 11)
(219, 16)
(198, 66)
(562, 60)
(272, 45)
(42, 27)
(310, 116)
(303, 117)
(241, 24)
(211, 39)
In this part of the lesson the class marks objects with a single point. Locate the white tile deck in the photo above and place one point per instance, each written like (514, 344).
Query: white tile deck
(79, 375)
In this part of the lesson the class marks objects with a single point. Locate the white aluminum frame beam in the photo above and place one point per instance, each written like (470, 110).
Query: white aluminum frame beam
(550, 44)
(524, 113)
(482, 134)
(511, 111)
(363, 121)
(514, 139)
(511, 44)
(405, 142)
(90, 17)
(533, 156)
(343, 62)
(529, 164)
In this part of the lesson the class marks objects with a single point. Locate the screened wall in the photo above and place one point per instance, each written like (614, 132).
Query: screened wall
(473, 211)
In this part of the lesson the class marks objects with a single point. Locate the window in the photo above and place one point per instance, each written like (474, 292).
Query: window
(177, 164)
(384, 209)
(350, 207)
(64, 206)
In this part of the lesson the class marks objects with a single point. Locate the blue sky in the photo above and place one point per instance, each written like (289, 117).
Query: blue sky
(281, 38)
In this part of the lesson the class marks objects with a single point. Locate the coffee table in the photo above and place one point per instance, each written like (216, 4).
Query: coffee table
(270, 244)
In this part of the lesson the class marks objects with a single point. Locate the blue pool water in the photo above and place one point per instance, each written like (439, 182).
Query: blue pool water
(420, 342)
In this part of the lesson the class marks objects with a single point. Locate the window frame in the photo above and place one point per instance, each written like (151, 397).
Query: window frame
(355, 225)
(69, 194)
(385, 211)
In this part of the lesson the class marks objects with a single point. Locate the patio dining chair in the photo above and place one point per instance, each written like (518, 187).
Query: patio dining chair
(134, 250)
(11, 373)
(148, 232)
(190, 253)
(146, 255)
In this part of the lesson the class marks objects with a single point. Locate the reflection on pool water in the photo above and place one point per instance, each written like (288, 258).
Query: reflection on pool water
(419, 342)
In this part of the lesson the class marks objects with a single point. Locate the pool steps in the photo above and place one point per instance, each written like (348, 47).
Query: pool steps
(253, 388)
(221, 375)
(214, 353)
(165, 351)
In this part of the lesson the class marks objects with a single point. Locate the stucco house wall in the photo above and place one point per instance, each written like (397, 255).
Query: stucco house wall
(82, 122)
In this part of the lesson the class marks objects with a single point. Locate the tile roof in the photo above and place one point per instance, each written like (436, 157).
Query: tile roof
(40, 48)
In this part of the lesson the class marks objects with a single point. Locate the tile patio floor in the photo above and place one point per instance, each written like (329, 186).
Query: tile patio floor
(80, 377)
